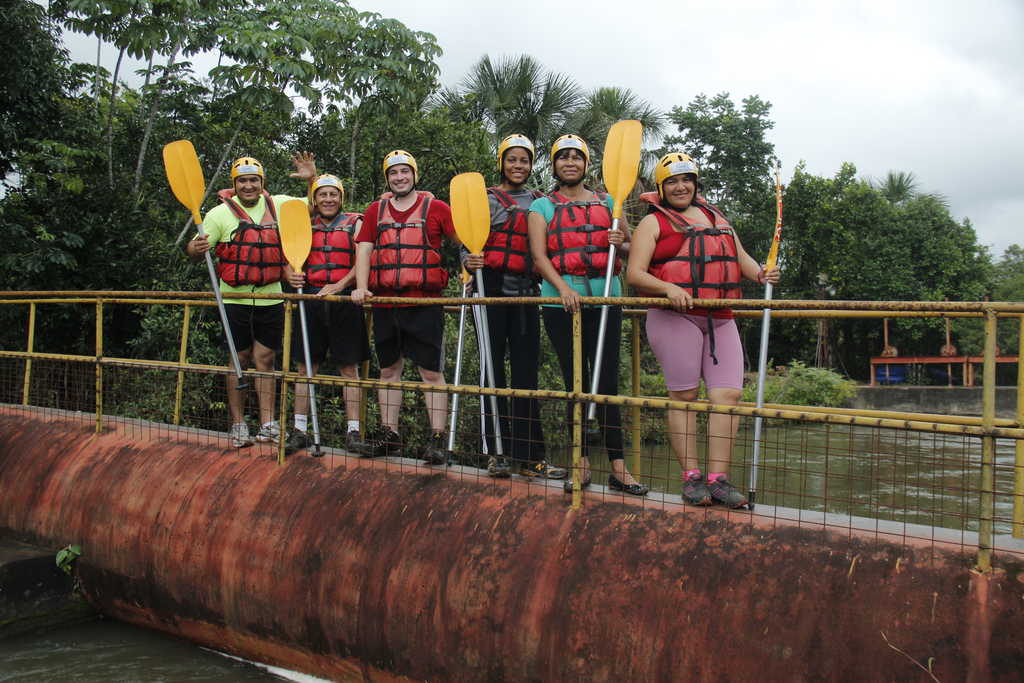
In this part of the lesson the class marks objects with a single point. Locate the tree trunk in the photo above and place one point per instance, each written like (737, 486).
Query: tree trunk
(149, 70)
(110, 120)
(149, 122)
(352, 151)
(96, 84)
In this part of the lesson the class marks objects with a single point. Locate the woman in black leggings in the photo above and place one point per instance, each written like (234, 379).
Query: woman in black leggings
(570, 232)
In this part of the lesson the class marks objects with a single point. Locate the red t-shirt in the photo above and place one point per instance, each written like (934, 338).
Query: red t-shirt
(439, 223)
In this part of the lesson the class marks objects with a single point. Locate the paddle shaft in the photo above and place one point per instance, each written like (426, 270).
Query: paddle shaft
(215, 283)
(309, 375)
(762, 370)
(485, 338)
(609, 271)
(458, 370)
(483, 380)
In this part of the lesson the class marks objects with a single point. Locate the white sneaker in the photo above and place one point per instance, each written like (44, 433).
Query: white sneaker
(240, 436)
(270, 432)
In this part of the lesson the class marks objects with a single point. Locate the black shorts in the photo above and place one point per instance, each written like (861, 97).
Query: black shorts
(414, 332)
(265, 324)
(337, 326)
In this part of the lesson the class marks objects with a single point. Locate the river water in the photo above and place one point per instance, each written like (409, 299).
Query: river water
(885, 474)
(106, 650)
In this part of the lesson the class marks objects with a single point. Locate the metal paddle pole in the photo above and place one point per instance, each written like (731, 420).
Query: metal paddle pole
(215, 282)
(485, 338)
(762, 370)
(762, 354)
(619, 167)
(483, 381)
(309, 375)
(185, 176)
(458, 371)
(609, 271)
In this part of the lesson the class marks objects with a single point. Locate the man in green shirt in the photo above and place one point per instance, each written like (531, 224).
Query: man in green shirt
(242, 231)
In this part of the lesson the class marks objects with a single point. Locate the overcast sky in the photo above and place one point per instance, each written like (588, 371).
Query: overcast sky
(934, 88)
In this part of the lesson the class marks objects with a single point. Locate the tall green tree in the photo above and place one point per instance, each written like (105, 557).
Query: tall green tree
(33, 75)
(844, 239)
(730, 146)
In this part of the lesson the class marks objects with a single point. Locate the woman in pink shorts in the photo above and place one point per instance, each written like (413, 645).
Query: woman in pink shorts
(685, 249)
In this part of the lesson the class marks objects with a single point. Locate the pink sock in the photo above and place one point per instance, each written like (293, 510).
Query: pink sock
(692, 474)
(715, 475)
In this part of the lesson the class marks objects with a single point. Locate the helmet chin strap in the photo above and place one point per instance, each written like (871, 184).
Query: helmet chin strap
(400, 195)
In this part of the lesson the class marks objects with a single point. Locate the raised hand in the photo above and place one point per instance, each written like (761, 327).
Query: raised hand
(305, 166)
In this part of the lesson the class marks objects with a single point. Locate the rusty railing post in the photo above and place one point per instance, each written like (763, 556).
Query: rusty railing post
(182, 357)
(1018, 461)
(99, 367)
(27, 383)
(988, 445)
(577, 408)
(363, 396)
(637, 432)
(285, 361)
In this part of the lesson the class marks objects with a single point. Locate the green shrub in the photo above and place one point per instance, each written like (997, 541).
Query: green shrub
(797, 384)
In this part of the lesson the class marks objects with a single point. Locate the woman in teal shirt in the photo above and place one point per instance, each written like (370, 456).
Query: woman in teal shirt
(570, 232)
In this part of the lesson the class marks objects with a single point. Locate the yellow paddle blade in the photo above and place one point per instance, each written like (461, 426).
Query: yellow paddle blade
(621, 161)
(470, 211)
(185, 175)
(296, 232)
(465, 275)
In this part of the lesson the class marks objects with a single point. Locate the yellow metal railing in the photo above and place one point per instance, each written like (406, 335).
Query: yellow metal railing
(988, 427)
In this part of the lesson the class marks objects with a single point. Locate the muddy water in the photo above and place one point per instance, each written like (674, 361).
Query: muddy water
(110, 651)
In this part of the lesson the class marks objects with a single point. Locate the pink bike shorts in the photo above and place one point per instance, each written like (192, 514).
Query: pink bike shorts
(683, 347)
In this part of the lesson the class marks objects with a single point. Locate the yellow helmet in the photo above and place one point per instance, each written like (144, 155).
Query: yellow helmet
(673, 163)
(327, 180)
(515, 140)
(571, 142)
(400, 156)
(246, 166)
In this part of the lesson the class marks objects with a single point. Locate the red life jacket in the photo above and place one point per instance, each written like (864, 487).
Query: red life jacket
(333, 252)
(699, 257)
(508, 247)
(253, 255)
(578, 236)
(403, 258)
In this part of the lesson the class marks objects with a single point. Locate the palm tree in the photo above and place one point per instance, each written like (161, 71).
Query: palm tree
(518, 95)
(897, 186)
(604, 106)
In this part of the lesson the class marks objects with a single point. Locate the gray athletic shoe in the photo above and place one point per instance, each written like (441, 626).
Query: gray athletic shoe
(298, 440)
(434, 452)
(695, 490)
(269, 432)
(724, 493)
(357, 445)
(240, 436)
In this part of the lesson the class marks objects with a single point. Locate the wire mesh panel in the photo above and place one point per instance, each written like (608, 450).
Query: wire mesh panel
(828, 469)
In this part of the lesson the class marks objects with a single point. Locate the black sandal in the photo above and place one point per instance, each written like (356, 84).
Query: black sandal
(632, 489)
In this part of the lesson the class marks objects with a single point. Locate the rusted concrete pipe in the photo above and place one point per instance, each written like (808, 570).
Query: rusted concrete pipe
(368, 570)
